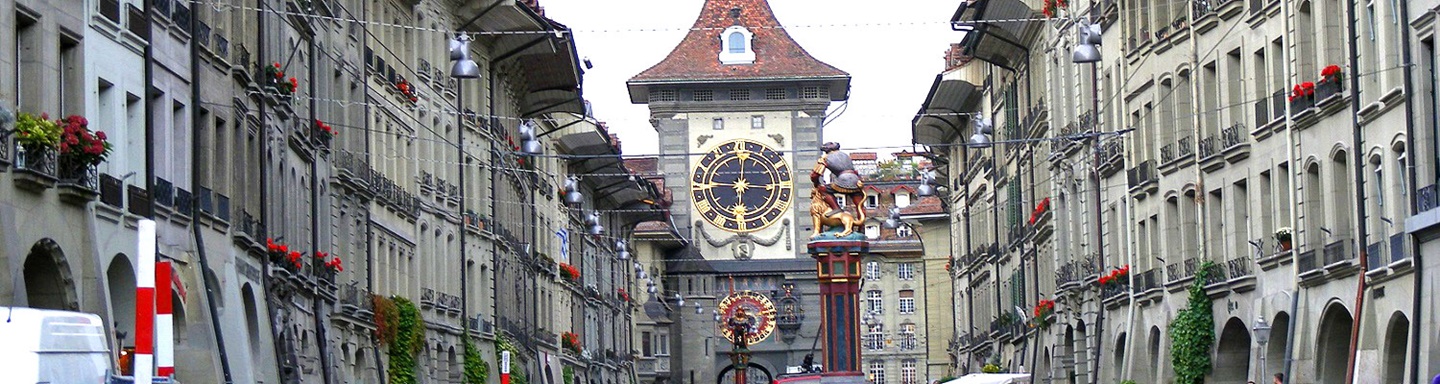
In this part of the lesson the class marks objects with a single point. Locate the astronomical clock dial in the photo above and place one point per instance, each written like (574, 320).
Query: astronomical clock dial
(741, 186)
(756, 306)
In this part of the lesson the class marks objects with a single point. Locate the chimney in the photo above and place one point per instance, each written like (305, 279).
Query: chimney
(615, 139)
(955, 56)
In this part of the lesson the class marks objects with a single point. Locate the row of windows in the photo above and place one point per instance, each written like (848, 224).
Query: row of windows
(756, 122)
(672, 95)
(876, 372)
(875, 304)
(906, 271)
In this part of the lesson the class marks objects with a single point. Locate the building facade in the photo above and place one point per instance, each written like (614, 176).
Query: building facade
(333, 128)
(905, 290)
(1234, 145)
(751, 100)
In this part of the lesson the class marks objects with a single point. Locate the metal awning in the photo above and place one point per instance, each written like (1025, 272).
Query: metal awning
(997, 31)
(595, 155)
(545, 48)
(941, 118)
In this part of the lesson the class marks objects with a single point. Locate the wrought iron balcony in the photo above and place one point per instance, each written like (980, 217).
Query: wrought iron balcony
(1185, 147)
(1239, 266)
(39, 160)
(1427, 197)
(1262, 112)
(1167, 153)
(1208, 147)
(1235, 135)
(1306, 261)
(1338, 251)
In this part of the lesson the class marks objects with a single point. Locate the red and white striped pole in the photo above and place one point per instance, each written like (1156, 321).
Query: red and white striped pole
(164, 321)
(145, 303)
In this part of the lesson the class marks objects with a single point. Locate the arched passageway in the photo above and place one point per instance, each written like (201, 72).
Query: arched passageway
(47, 278)
(1232, 362)
(1332, 345)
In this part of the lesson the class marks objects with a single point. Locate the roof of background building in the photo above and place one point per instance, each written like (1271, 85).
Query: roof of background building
(864, 156)
(777, 56)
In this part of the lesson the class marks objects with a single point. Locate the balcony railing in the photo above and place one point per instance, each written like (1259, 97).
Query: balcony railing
(1306, 261)
(1185, 147)
(1338, 251)
(1167, 153)
(85, 177)
(40, 161)
(1277, 105)
(1427, 197)
(1208, 147)
(1374, 259)
(1239, 266)
(1397, 248)
(1234, 135)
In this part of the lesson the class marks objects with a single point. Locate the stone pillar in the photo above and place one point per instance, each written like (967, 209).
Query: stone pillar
(838, 268)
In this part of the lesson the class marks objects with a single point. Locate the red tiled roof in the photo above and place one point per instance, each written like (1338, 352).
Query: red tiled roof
(926, 205)
(644, 166)
(864, 156)
(777, 56)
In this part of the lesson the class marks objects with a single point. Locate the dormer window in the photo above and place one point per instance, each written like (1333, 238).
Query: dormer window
(902, 199)
(736, 46)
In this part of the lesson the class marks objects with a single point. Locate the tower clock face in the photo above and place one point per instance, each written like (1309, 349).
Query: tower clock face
(741, 186)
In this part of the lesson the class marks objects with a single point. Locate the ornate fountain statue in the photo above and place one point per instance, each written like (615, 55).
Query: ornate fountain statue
(825, 210)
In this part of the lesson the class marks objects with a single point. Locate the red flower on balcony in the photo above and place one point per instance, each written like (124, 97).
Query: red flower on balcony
(1039, 210)
(334, 263)
(569, 272)
(321, 125)
(1117, 275)
(571, 341)
(1331, 71)
(624, 296)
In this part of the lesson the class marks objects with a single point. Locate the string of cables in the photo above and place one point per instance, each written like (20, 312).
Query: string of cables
(230, 6)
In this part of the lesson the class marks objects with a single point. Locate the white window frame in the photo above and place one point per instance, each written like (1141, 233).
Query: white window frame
(907, 305)
(746, 56)
(872, 231)
(902, 199)
(872, 200)
(840, 200)
(877, 303)
(903, 231)
(757, 122)
(872, 271)
(907, 372)
(875, 337)
(907, 271)
(877, 372)
(662, 344)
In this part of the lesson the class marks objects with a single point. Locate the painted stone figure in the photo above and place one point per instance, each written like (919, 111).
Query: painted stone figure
(825, 210)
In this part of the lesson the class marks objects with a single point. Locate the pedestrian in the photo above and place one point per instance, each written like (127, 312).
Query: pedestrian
(1279, 378)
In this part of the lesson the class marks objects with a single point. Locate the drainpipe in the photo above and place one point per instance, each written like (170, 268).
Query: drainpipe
(1294, 149)
(1407, 61)
(965, 209)
(369, 226)
(1361, 240)
(322, 337)
(205, 275)
(1099, 216)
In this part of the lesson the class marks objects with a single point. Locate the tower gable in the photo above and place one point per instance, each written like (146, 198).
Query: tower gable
(713, 53)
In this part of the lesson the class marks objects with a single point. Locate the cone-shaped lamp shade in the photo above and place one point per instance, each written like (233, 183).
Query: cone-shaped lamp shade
(459, 49)
(1085, 53)
(979, 140)
(465, 69)
(531, 148)
(925, 190)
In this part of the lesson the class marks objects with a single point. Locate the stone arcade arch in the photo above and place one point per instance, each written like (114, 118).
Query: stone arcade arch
(1397, 336)
(48, 283)
(1232, 353)
(1332, 344)
(120, 282)
(1275, 348)
(1118, 370)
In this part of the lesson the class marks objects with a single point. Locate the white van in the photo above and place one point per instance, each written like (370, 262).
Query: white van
(46, 346)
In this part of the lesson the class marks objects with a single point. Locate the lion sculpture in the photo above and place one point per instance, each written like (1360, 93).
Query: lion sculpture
(823, 216)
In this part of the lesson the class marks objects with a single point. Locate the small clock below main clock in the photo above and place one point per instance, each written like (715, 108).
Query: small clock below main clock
(741, 186)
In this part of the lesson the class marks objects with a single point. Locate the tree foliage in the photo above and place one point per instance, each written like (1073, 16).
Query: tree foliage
(1192, 333)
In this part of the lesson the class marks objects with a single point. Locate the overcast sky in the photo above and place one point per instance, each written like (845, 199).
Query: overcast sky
(892, 49)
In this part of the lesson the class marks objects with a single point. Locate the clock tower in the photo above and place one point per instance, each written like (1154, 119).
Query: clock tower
(739, 106)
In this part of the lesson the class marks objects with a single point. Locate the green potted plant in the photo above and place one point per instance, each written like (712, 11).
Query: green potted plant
(1283, 236)
(35, 138)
